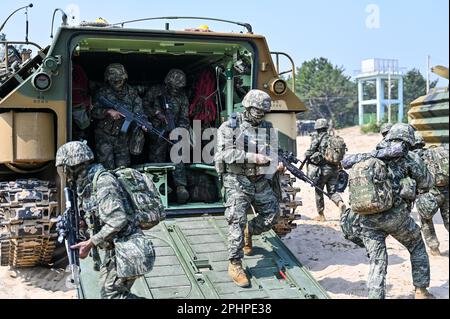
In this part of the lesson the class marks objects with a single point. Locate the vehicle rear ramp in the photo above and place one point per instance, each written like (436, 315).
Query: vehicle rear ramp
(192, 263)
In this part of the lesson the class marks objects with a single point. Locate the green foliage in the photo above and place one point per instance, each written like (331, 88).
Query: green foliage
(414, 85)
(327, 92)
(371, 127)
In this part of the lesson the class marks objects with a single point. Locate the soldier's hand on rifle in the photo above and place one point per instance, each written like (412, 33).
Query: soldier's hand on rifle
(281, 167)
(257, 158)
(84, 247)
(160, 116)
(114, 114)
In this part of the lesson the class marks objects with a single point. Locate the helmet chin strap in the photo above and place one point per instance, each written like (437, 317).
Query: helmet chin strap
(253, 120)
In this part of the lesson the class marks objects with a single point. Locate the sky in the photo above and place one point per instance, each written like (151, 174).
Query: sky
(344, 31)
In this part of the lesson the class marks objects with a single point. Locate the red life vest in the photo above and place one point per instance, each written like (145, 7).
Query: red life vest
(203, 107)
(80, 88)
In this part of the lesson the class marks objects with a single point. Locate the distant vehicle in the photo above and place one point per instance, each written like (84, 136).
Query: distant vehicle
(305, 127)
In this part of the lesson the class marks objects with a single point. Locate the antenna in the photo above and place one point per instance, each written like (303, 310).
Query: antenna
(25, 7)
(245, 25)
(64, 19)
(26, 24)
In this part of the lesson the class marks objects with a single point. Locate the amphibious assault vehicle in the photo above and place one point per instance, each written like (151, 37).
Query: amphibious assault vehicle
(36, 96)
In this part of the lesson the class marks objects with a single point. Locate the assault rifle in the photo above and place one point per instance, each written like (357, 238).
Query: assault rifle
(140, 119)
(68, 229)
(168, 112)
(288, 160)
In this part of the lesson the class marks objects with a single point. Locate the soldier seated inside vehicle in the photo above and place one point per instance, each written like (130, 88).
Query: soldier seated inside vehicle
(171, 84)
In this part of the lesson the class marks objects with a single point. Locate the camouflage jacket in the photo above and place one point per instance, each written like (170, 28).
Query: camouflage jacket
(108, 212)
(421, 153)
(318, 144)
(128, 96)
(231, 148)
(113, 224)
(178, 106)
(412, 166)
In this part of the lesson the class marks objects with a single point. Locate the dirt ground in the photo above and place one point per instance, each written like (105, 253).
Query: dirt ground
(340, 266)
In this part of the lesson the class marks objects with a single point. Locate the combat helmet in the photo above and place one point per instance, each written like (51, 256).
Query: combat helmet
(419, 142)
(257, 99)
(385, 128)
(115, 72)
(176, 78)
(73, 153)
(403, 132)
(320, 124)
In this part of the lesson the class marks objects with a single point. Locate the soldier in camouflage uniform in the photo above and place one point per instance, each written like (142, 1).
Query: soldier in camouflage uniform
(128, 253)
(397, 221)
(243, 180)
(168, 105)
(385, 128)
(322, 172)
(441, 196)
(113, 147)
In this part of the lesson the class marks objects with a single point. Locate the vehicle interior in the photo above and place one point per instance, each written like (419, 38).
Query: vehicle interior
(147, 62)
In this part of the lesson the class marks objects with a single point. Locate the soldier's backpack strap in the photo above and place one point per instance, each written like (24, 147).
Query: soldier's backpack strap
(234, 121)
(320, 143)
(95, 179)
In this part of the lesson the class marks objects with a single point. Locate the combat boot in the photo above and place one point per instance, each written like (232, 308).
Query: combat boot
(237, 273)
(248, 245)
(423, 293)
(182, 195)
(435, 252)
(320, 218)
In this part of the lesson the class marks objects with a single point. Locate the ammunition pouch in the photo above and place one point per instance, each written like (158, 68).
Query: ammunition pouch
(408, 189)
(110, 126)
(316, 158)
(137, 141)
(243, 169)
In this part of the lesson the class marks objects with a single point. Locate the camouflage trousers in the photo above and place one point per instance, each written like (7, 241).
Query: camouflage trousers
(159, 152)
(242, 192)
(112, 151)
(329, 178)
(114, 287)
(428, 231)
(398, 223)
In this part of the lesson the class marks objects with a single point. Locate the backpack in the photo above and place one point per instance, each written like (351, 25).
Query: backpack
(436, 159)
(334, 150)
(142, 194)
(370, 187)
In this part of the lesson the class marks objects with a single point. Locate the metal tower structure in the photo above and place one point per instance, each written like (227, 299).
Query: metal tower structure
(380, 71)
